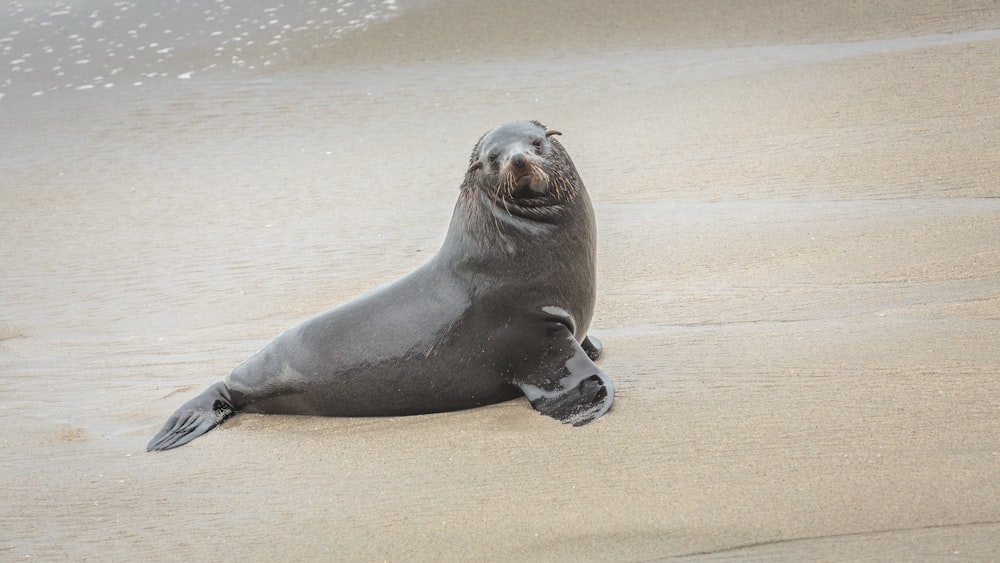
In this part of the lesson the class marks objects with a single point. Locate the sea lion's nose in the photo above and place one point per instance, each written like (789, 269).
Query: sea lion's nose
(518, 160)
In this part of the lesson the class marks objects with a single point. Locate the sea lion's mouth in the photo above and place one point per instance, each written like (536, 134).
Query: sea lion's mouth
(529, 186)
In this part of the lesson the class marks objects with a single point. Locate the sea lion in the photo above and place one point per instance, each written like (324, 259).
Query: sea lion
(501, 310)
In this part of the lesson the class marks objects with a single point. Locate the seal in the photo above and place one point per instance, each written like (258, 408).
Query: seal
(501, 310)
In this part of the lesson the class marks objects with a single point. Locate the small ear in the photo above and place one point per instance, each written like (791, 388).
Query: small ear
(475, 166)
(551, 132)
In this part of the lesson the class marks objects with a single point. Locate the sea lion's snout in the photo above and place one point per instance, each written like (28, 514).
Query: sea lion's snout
(525, 172)
(518, 160)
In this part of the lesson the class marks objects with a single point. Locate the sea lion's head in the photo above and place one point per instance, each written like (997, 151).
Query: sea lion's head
(520, 166)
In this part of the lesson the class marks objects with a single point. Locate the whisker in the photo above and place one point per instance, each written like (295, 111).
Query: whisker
(496, 208)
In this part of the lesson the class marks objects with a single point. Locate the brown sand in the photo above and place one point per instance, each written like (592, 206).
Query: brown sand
(799, 213)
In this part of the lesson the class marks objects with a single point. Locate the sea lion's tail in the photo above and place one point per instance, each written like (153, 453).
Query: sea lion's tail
(194, 418)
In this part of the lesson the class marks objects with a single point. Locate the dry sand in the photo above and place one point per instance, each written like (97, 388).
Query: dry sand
(799, 291)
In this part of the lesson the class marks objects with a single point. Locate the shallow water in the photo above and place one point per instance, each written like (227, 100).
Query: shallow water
(48, 46)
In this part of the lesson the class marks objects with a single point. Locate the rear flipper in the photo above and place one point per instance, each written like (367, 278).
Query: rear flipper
(194, 418)
(569, 387)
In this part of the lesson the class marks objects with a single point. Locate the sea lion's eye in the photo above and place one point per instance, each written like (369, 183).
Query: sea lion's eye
(537, 143)
(492, 158)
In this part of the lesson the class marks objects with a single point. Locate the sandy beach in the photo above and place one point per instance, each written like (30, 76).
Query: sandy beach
(798, 215)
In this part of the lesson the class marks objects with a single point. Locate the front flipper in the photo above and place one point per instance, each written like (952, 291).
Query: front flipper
(568, 386)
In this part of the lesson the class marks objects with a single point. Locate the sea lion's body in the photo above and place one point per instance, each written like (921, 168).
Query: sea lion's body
(501, 310)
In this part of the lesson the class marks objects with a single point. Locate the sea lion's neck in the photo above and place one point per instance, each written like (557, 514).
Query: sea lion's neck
(483, 235)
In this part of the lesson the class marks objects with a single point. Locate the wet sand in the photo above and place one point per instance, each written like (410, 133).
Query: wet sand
(799, 290)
